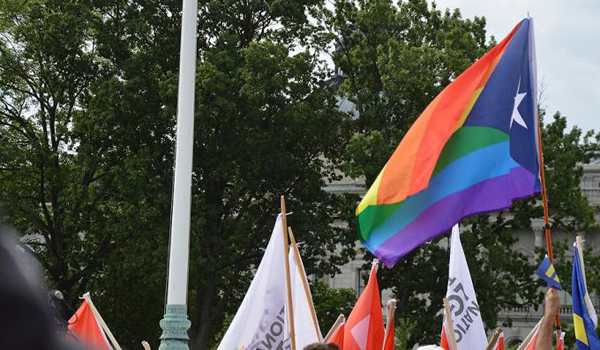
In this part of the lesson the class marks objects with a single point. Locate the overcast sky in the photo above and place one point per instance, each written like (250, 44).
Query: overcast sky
(568, 49)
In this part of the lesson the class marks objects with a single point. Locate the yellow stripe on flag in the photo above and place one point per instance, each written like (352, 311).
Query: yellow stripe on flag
(371, 197)
(580, 333)
(550, 271)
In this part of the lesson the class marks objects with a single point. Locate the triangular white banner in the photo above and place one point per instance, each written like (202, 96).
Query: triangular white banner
(260, 320)
(466, 318)
(306, 329)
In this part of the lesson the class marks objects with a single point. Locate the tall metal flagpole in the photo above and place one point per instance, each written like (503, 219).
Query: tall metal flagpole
(175, 322)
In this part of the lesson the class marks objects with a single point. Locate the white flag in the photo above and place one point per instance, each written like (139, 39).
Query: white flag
(260, 321)
(466, 318)
(306, 328)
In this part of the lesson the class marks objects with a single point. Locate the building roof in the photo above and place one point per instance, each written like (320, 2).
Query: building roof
(345, 188)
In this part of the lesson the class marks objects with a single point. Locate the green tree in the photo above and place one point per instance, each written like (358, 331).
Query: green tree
(266, 122)
(570, 210)
(330, 303)
(48, 189)
(86, 151)
(565, 153)
(88, 92)
(396, 58)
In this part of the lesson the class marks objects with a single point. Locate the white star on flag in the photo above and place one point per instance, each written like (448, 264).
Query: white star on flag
(516, 116)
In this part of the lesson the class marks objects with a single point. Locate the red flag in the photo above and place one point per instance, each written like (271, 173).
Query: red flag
(561, 342)
(444, 342)
(389, 341)
(338, 336)
(364, 327)
(531, 344)
(85, 326)
(500, 342)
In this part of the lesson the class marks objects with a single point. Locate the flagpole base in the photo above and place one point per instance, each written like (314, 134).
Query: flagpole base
(175, 325)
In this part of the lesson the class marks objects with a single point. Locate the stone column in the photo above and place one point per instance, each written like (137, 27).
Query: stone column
(538, 232)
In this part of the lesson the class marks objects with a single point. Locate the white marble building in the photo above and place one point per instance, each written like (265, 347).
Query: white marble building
(523, 319)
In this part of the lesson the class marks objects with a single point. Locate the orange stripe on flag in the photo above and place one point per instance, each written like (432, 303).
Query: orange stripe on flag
(410, 167)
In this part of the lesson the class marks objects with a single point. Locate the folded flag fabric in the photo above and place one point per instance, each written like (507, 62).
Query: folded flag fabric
(445, 342)
(364, 327)
(337, 337)
(529, 342)
(469, 332)
(474, 149)
(260, 319)
(584, 316)
(87, 328)
(306, 326)
(500, 342)
(263, 318)
(389, 342)
(547, 273)
(561, 342)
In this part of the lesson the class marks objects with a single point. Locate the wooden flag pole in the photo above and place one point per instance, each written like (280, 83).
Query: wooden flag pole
(544, 196)
(288, 282)
(450, 332)
(335, 326)
(100, 320)
(307, 294)
(391, 310)
(494, 339)
(579, 244)
(545, 205)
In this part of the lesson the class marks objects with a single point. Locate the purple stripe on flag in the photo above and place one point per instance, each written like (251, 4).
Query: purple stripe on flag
(490, 195)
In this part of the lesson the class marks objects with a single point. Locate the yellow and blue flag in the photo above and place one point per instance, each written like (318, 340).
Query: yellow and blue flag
(584, 315)
(547, 273)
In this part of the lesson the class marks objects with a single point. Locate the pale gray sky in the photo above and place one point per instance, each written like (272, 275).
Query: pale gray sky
(568, 49)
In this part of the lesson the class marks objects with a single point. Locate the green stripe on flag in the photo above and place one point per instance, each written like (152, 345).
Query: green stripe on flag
(466, 140)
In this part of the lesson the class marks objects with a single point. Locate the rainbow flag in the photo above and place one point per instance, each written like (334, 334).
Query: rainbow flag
(473, 150)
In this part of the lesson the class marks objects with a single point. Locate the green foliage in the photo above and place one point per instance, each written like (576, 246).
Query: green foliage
(565, 153)
(87, 115)
(330, 303)
(396, 57)
(402, 332)
(86, 151)
(88, 92)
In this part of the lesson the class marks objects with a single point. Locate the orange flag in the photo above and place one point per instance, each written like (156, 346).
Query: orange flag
(532, 337)
(531, 345)
(85, 326)
(389, 340)
(444, 343)
(561, 342)
(364, 327)
(389, 327)
(500, 342)
(338, 336)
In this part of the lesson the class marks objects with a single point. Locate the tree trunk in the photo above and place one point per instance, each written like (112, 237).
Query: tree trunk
(201, 320)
